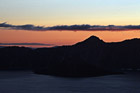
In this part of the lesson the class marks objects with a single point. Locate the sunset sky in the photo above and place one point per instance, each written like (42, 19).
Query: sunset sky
(67, 12)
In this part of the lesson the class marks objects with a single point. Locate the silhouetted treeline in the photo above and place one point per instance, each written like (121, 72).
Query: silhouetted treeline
(88, 58)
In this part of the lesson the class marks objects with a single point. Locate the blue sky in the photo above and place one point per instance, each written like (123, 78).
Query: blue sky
(60, 12)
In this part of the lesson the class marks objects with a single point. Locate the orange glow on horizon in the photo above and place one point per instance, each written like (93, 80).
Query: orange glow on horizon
(62, 37)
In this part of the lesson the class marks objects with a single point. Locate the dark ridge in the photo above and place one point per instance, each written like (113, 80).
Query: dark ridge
(91, 41)
(91, 57)
(92, 38)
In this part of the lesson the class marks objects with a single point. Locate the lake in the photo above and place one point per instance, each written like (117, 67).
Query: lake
(27, 82)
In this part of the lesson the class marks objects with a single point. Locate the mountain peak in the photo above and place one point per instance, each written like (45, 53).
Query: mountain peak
(92, 40)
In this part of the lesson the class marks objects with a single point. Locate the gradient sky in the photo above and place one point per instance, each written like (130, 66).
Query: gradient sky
(69, 12)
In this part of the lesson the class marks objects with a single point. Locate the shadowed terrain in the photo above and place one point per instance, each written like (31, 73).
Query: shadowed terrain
(91, 57)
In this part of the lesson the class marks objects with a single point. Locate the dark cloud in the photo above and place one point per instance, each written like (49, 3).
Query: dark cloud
(67, 27)
(23, 27)
(5, 25)
(30, 27)
(27, 44)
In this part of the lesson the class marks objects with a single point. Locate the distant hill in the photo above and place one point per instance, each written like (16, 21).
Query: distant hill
(91, 57)
(15, 58)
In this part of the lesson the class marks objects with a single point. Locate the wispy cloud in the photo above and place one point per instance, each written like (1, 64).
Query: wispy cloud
(33, 44)
(23, 27)
(69, 27)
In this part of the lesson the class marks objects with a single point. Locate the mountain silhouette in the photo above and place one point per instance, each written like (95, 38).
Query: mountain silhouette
(91, 41)
(91, 57)
(81, 59)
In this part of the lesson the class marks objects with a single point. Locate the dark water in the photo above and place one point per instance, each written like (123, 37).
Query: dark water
(27, 82)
